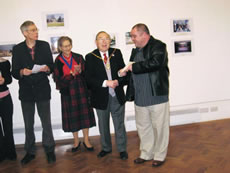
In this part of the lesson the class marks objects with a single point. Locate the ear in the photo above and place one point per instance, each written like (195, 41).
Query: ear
(25, 33)
(96, 43)
(145, 35)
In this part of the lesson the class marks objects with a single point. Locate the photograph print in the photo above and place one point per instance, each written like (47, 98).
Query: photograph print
(54, 20)
(182, 26)
(128, 39)
(182, 47)
(6, 50)
(113, 39)
(54, 44)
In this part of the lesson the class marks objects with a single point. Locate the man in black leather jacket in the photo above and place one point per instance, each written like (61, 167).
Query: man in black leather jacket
(149, 88)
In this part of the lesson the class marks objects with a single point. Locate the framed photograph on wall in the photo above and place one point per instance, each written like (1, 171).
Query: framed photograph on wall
(181, 26)
(128, 39)
(183, 47)
(55, 20)
(113, 37)
(6, 50)
(54, 43)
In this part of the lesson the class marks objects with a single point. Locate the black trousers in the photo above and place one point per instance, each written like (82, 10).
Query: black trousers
(7, 146)
(28, 110)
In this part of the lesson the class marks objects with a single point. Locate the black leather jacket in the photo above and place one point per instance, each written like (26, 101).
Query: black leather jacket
(155, 64)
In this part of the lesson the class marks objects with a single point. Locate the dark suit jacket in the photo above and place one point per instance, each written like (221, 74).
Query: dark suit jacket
(34, 87)
(96, 74)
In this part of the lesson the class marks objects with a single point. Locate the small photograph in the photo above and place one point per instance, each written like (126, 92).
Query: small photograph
(128, 39)
(183, 47)
(6, 50)
(183, 26)
(55, 20)
(113, 40)
(54, 44)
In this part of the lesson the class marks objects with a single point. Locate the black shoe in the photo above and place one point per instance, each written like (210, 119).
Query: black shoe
(103, 153)
(12, 157)
(88, 148)
(139, 160)
(51, 158)
(75, 149)
(157, 163)
(2, 159)
(124, 155)
(27, 158)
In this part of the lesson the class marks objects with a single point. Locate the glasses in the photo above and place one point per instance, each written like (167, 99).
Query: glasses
(104, 39)
(33, 30)
(66, 46)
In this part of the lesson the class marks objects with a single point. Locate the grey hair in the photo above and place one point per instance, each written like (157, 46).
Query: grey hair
(61, 40)
(25, 25)
(101, 33)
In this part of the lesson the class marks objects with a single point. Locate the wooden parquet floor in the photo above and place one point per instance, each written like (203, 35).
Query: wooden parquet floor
(193, 148)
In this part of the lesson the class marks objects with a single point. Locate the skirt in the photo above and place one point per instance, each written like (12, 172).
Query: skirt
(77, 113)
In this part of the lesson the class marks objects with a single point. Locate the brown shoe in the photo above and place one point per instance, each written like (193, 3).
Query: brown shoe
(157, 163)
(139, 160)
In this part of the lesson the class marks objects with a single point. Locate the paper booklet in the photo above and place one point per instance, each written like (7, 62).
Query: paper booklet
(37, 68)
(126, 67)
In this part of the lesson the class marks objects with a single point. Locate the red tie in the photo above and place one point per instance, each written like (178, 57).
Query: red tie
(105, 58)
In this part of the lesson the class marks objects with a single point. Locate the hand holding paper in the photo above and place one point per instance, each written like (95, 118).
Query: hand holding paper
(127, 68)
(44, 68)
(38, 68)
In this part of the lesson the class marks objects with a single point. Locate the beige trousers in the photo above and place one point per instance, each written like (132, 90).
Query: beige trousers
(152, 124)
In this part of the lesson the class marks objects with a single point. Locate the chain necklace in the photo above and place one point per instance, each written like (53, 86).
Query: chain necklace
(107, 65)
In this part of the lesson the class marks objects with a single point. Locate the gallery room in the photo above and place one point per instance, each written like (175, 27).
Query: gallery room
(196, 35)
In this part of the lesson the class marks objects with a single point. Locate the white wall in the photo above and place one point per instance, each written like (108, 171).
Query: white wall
(199, 90)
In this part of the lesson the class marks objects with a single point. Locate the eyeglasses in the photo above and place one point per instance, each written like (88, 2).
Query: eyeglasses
(66, 46)
(33, 30)
(104, 39)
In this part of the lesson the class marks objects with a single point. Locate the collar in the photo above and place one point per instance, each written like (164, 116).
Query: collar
(102, 54)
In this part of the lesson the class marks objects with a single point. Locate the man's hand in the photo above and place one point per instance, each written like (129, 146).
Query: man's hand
(45, 69)
(130, 67)
(122, 73)
(26, 72)
(112, 83)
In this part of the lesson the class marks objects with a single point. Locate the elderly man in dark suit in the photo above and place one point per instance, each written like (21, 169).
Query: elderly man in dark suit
(107, 94)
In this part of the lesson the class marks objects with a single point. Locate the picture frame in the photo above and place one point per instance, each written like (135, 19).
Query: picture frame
(183, 47)
(6, 49)
(128, 40)
(55, 20)
(182, 26)
(114, 42)
(53, 40)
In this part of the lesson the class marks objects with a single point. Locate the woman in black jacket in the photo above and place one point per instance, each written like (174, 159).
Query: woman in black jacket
(7, 146)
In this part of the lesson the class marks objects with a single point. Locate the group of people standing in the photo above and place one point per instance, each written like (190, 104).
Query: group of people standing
(94, 82)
